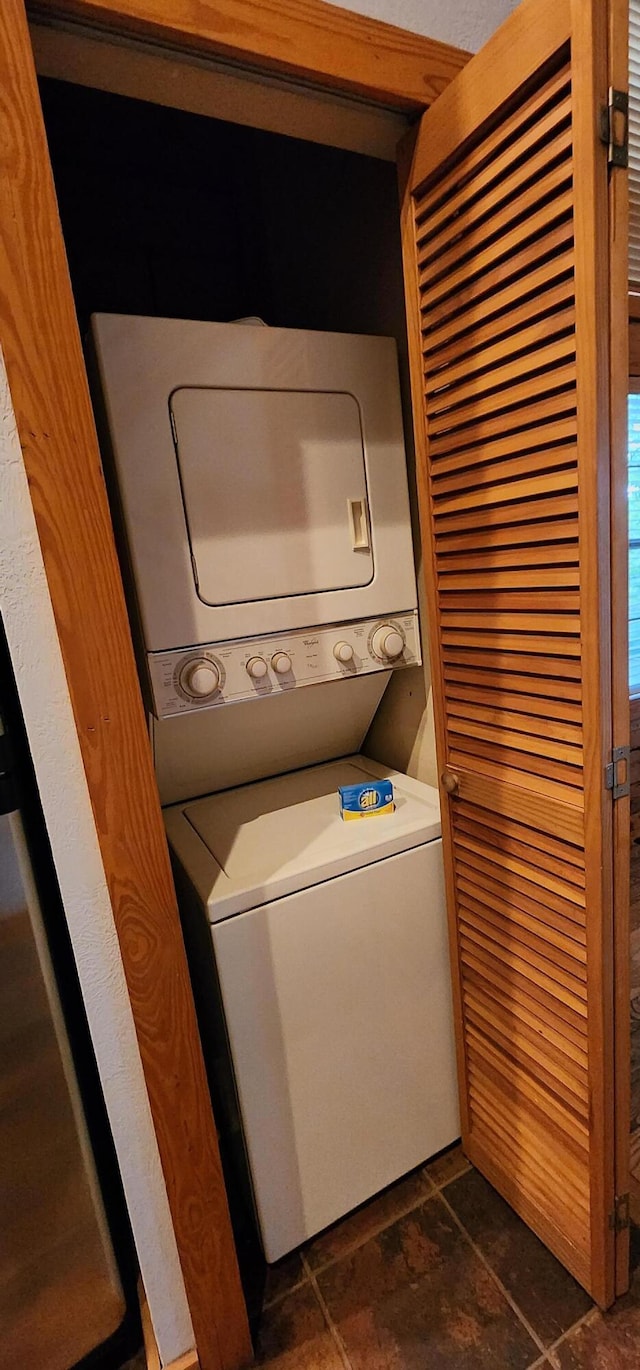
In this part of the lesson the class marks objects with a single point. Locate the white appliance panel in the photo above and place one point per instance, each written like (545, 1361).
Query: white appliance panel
(274, 492)
(338, 1009)
(141, 363)
(278, 836)
(224, 672)
(197, 753)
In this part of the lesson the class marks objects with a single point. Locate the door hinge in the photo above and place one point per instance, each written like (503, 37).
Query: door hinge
(614, 127)
(617, 772)
(620, 1219)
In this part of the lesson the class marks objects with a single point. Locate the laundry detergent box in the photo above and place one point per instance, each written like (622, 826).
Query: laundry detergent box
(366, 800)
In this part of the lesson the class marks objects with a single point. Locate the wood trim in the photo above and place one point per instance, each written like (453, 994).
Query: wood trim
(618, 62)
(183, 81)
(49, 391)
(589, 23)
(308, 39)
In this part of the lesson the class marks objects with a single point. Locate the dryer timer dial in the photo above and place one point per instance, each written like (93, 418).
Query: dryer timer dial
(387, 642)
(200, 678)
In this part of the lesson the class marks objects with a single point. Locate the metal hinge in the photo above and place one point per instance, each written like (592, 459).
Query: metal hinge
(614, 127)
(617, 772)
(620, 1219)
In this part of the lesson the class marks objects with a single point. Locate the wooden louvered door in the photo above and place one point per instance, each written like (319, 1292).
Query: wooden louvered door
(505, 234)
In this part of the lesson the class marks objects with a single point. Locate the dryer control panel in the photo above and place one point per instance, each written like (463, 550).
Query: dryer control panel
(228, 672)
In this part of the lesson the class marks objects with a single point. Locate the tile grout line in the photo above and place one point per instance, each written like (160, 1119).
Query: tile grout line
(510, 1300)
(373, 1232)
(451, 1179)
(284, 1294)
(546, 1357)
(342, 1350)
(348, 1250)
(430, 1192)
(587, 1317)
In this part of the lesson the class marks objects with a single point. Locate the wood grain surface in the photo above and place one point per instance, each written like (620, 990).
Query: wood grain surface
(506, 248)
(321, 43)
(55, 421)
(618, 61)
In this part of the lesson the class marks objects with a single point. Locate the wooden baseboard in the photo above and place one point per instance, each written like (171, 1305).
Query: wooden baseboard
(189, 1361)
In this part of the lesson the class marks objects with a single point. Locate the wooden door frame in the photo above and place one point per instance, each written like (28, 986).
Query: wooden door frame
(307, 39)
(334, 49)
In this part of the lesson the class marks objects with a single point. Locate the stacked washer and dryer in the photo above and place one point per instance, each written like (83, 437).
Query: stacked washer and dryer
(261, 493)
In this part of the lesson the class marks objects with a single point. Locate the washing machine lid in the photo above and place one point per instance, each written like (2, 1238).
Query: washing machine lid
(274, 490)
(248, 846)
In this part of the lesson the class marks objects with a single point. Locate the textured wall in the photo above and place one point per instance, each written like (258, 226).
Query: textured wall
(464, 23)
(37, 662)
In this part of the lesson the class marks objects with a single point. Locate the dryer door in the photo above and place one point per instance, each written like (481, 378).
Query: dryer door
(274, 490)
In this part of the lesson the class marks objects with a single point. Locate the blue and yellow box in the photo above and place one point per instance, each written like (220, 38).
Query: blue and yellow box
(367, 800)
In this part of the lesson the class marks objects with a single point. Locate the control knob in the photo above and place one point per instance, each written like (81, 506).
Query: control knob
(257, 667)
(281, 663)
(387, 642)
(343, 651)
(200, 678)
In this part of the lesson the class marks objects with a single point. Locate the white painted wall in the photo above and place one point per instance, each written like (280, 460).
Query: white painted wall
(27, 612)
(464, 23)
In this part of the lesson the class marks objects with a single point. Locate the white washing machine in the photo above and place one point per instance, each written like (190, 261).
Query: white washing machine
(330, 945)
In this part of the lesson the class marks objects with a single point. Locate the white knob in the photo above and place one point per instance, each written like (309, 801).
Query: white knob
(388, 642)
(343, 651)
(281, 663)
(257, 668)
(200, 678)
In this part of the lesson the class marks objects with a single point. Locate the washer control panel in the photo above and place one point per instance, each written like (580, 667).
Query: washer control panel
(227, 672)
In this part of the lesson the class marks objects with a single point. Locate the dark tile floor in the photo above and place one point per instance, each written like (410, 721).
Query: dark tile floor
(438, 1273)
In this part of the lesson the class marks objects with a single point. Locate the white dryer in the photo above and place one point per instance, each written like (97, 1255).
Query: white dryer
(330, 945)
(262, 484)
